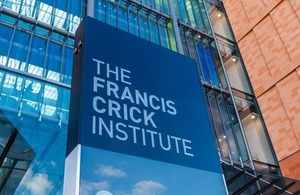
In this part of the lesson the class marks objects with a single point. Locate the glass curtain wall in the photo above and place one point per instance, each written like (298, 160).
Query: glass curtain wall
(259, 143)
(149, 20)
(36, 54)
(198, 43)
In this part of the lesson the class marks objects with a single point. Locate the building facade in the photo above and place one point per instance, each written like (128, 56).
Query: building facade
(36, 59)
(268, 35)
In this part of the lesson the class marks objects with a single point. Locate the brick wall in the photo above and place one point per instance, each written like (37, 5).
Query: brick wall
(268, 34)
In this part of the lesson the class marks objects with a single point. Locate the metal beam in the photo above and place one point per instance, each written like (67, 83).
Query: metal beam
(30, 20)
(175, 27)
(285, 188)
(90, 8)
(266, 187)
(247, 185)
(230, 181)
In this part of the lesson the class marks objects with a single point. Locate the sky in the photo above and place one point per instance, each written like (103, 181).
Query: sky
(105, 173)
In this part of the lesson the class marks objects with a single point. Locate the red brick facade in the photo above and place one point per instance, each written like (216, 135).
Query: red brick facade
(268, 34)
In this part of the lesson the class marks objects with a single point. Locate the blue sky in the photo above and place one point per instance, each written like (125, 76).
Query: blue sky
(104, 171)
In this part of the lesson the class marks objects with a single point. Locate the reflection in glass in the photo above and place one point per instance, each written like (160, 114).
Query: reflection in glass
(207, 62)
(27, 95)
(16, 156)
(35, 161)
(19, 49)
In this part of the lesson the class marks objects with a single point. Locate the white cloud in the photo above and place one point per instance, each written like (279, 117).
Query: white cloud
(148, 188)
(87, 187)
(110, 171)
(104, 192)
(38, 184)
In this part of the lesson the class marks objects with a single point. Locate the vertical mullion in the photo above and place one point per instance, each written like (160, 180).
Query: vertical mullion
(159, 31)
(148, 25)
(117, 14)
(198, 59)
(175, 27)
(138, 21)
(10, 45)
(127, 17)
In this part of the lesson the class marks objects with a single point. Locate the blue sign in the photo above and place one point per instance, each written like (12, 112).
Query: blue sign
(134, 97)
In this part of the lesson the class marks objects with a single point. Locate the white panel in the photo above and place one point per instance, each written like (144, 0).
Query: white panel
(72, 172)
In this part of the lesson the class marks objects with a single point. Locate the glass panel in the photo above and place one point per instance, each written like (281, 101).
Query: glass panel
(5, 133)
(191, 46)
(122, 19)
(31, 96)
(45, 13)
(37, 56)
(25, 26)
(42, 31)
(70, 42)
(60, 18)
(236, 75)
(12, 4)
(258, 141)
(184, 42)
(182, 11)
(256, 137)
(100, 10)
(189, 9)
(6, 35)
(219, 67)
(172, 40)
(237, 131)
(64, 95)
(8, 19)
(49, 104)
(41, 159)
(53, 63)
(143, 22)
(158, 5)
(150, 3)
(29, 8)
(18, 156)
(219, 21)
(154, 34)
(229, 135)
(234, 67)
(204, 17)
(75, 13)
(219, 129)
(165, 6)
(163, 32)
(207, 62)
(199, 19)
(12, 90)
(67, 64)
(111, 13)
(62, 5)
(19, 49)
(133, 21)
